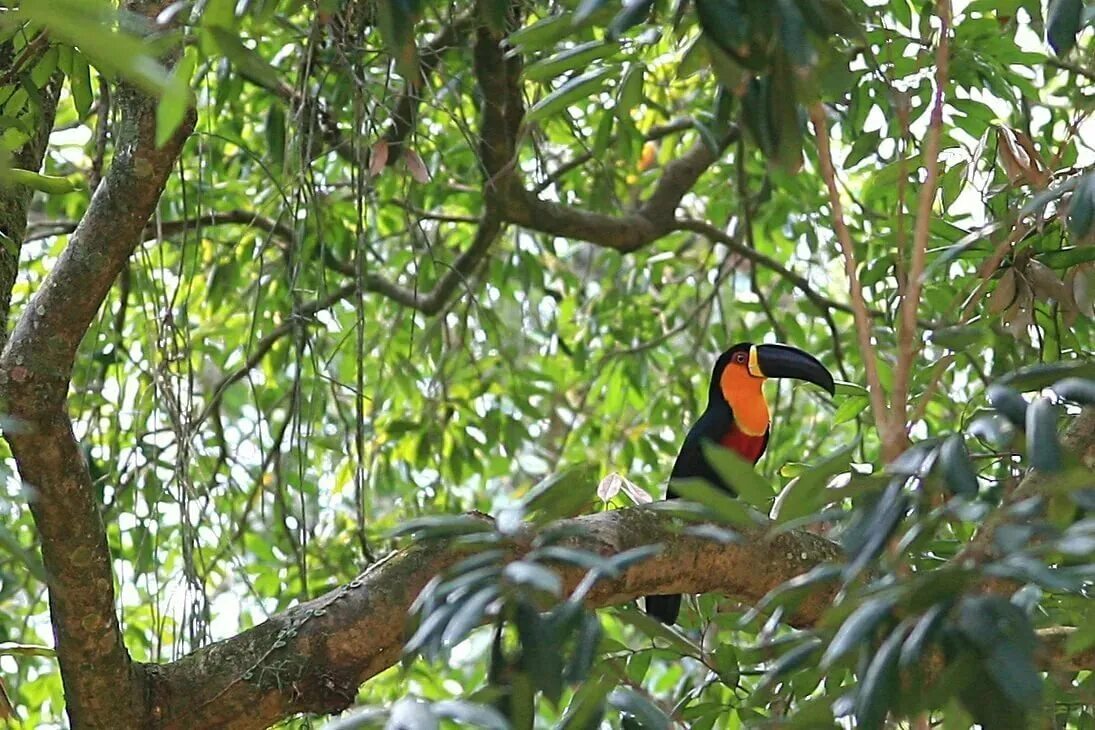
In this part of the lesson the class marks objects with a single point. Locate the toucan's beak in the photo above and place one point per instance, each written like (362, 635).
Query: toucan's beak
(781, 361)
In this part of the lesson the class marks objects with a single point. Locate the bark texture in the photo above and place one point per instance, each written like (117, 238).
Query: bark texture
(313, 657)
(103, 688)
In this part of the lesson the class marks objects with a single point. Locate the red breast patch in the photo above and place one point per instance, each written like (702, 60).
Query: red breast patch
(746, 446)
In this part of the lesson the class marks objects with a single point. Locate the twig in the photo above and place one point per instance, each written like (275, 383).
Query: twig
(909, 341)
(891, 446)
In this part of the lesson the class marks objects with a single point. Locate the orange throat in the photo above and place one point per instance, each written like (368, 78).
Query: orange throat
(745, 394)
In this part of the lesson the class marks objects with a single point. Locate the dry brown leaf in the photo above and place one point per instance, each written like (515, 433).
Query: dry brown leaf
(378, 158)
(1083, 288)
(416, 167)
(1046, 283)
(1020, 159)
(6, 708)
(1004, 293)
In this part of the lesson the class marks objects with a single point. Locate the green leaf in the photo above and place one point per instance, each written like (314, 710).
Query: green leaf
(850, 408)
(739, 474)
(577, 58)
(788, 662)
(411, 713)
(655, 629)
(922, 633)
(632, 13)
(275, 143)
(95, 29)
(631, 91)
(586, 708)
(79, 84)
(10, 544)
(48, 184)
(648, 714)
(719, 504)
(1043, 446)
(176, 99)
(564, 494)
(807, 493)
(471, 713)
(543, 33)
(572, 91)
(857, 628)
(249, 63)
(396, 20)
(525, 573)
(471, 613)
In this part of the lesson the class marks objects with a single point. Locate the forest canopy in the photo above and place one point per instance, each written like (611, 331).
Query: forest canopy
(348, 346)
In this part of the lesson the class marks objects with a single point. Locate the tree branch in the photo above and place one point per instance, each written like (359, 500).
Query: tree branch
(103, 688)
(909, 341)
(800, 282)
(891, 445)
(336, 642)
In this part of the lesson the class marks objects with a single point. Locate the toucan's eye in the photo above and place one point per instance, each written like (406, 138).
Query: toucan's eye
(739, 357)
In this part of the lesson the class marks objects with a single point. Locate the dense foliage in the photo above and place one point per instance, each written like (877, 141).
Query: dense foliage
(413, 261)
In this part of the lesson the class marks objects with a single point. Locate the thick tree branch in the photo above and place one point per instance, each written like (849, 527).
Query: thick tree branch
(336, 642)
(624, 233)
(102, 686)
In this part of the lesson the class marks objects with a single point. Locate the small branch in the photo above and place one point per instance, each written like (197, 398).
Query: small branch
(892, 444)
(167, 229)
(909, 341)
(797, 280)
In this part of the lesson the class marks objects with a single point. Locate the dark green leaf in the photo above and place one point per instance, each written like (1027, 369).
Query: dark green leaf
(525, 573)
(1077, 390)
(922, 633)
(572, 91)
(1062, 24)
(1010, 404)
(648, 714)
(857, 628)
(808, 492)
(411, 714)
(1036, 377)
(878, 688)
(439, 526)
(564, 494)
(632, 13)
(738, 473)
(577, 58)
(655, 629)
(471, 613)
(587, 706)
(718, 503)
(249, 63)
(1043, 446)
(788, 662)
(957, 469)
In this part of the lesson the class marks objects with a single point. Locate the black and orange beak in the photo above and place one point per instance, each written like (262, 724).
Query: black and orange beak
(782, 361)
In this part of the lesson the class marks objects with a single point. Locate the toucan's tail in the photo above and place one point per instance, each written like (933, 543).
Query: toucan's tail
(664, 608)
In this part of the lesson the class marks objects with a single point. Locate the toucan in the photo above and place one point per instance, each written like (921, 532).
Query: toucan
(737, 419)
